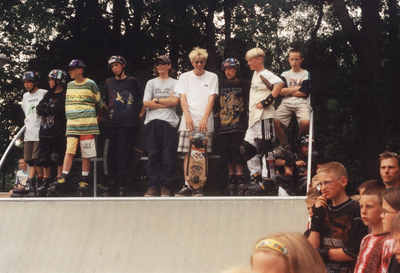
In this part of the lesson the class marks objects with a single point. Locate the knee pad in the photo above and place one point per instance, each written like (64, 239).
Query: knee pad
(263, 146)
(36, 161)
(247, 150)
(44, 162)
(30, 163)
(289, 159)
(56, 159)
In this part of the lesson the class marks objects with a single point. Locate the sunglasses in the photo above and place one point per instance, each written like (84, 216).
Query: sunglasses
(160, 63)
(388, 153)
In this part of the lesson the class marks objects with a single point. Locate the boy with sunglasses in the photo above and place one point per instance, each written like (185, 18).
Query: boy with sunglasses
(197, 90)
(336, 225)
(161, 122)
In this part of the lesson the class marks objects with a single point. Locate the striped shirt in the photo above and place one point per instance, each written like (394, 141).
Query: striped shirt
(81, 102)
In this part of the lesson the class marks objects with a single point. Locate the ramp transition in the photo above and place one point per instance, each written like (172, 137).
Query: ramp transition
(207, 234)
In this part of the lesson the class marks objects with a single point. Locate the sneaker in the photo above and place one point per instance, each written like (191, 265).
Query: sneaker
(152, 192)
(165, 192)
(280, 150)
(198, 192)
(185, 191)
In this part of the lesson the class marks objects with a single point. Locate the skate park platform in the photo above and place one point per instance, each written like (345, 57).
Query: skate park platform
(156, 235)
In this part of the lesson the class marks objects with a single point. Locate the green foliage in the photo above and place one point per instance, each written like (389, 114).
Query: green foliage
(43, 35)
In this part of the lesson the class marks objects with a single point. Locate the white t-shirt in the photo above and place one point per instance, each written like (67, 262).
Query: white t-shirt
(22, 177)
(156, 88)
(32, 120)
(259, 92)
(295, 79)
(198, 90)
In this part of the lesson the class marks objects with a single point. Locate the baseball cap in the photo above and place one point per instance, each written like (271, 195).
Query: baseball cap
(77, 63)
(165, 59)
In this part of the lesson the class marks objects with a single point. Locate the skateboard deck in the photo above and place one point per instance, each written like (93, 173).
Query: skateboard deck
(197, 168)
(139, 143)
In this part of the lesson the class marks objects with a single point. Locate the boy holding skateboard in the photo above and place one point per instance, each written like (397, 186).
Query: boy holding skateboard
(123, 99)
(265, 87)
(160, 102)
(336, 225)
(83, 109)
(197, 90)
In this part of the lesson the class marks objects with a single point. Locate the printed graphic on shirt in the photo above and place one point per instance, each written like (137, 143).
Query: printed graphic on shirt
(120, 104)
(231, 106)
(32, 106)
(293, 82)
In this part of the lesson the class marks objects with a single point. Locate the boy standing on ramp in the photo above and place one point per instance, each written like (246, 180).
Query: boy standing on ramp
(83, 109)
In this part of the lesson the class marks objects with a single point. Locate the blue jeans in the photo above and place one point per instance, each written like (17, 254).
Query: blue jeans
(161, 146)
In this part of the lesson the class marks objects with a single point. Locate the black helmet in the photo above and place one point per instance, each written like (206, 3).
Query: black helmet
(76, 63)
(231, 62)
(58, 74)
(116, 59)
(302, 140)
(31, 76)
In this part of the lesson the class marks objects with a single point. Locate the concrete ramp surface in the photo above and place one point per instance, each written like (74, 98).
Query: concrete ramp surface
(207, 234)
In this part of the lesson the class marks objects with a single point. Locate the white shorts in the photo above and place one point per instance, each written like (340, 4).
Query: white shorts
(87, 144)
(263, 129)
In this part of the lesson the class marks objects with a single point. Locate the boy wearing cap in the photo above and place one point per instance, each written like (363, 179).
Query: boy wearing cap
(32, 122)
(83, 109)
(160, 102)
(123, 100)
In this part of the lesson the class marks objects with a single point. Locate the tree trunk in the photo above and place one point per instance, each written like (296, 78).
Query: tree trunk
(365, 43)
(116, 26)
(227, 28)
(210, 32)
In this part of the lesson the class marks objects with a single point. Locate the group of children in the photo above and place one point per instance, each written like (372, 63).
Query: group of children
(354, 234)
(68, 115)
(357, 234)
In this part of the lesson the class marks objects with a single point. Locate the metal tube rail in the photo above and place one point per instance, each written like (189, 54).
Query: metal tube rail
(3, 158)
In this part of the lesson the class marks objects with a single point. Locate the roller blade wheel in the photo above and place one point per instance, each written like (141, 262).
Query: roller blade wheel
(286, 183)
(265, 188)
(83, 188)
(232, 189)
(53, 192)
(41, 191)
(242, 190)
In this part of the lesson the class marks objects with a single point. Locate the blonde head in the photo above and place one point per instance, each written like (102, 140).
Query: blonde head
(255, 53)
(333, 168)
(294, 249)
(198, 53)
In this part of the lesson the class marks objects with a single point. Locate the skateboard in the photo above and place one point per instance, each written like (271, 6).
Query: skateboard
(139, 143)
(197, 165)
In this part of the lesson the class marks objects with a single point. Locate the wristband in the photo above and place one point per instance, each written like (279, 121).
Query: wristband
(268, 101)
(317, 220)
